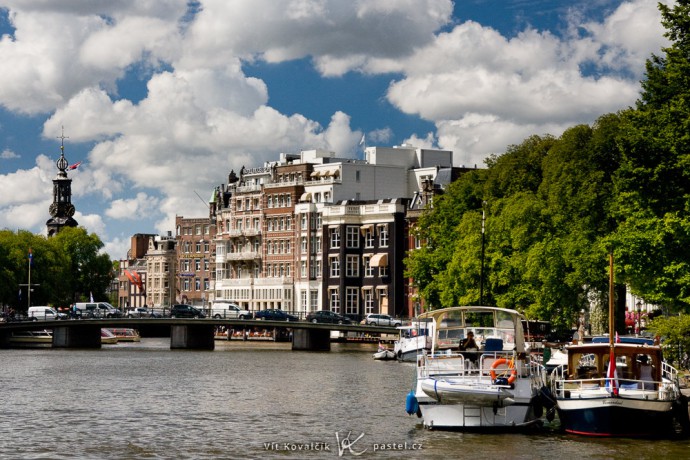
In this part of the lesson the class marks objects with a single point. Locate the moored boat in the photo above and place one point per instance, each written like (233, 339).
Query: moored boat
(493, 386)
(414, 339)
(618, 389)
(107, 337)
(125, 334)
(38, 338)
(625, 390)
(384, 353)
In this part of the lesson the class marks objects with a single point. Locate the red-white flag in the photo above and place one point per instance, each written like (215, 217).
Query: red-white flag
(612, 376)
(74, 166)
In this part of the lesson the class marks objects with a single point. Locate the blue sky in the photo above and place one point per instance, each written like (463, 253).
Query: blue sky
(161, 99)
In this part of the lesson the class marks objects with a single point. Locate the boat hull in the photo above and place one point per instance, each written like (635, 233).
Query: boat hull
(616, 417)
(473, 417)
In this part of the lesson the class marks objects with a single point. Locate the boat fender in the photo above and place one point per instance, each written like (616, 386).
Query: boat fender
(537, 406)
(511, 366)
(411, 404)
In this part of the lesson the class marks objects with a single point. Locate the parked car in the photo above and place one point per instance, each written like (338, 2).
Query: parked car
(186, 311)
(97, 310)
(142, 312)
(275, 314)
(327, 316)
(45, 313)
(229, 310)
(376, 319)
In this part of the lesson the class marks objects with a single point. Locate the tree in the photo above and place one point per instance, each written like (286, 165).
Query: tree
(65, 268)
(653, 187)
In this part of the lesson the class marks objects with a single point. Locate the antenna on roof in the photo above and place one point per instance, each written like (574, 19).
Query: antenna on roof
(207, 205)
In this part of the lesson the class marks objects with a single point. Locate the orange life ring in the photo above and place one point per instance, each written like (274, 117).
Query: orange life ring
(511, 366)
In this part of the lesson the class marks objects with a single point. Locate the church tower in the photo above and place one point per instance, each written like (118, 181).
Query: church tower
(62, 208)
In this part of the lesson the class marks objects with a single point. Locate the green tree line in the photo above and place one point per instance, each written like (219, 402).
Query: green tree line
(65, 268)
(556, 207)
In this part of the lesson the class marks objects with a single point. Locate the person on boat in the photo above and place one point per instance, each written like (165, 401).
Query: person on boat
(646, 373)
(469, 344)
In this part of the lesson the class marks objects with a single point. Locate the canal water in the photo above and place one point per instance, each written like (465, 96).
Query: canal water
(245, 400)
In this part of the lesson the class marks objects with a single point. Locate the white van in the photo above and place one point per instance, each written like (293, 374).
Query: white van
(98, 310)
(44, 313)
(228, 310)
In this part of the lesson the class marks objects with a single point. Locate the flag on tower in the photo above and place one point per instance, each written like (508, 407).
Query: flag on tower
(74, 166)
(361, 142)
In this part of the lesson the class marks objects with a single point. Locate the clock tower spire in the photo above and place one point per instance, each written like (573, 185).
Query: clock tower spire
(62, 208)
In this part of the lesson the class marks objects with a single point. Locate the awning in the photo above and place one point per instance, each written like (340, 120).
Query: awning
(305, 197)
(365, 228)
(379, 260)
(314, 174)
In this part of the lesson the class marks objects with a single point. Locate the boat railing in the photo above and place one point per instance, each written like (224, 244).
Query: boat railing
(477, 364)
(564, 387)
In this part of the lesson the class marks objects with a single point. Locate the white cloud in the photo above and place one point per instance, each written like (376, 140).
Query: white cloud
(136, 208)
(485, 92)
(8, 154)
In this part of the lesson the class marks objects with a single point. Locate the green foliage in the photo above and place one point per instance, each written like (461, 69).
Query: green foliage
(675, 334)
(66, 267)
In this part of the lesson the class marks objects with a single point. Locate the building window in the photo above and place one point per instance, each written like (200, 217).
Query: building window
(352, 266)
(303, 299)
(352, 300)
(317, 268)
(351, 236)
(368, 301)
(357, 178)
(303, 269)
(197, 264)
(368, 269)
(334, 303)
(197, 284)
(383, 271)
(313, 297)
(383, 236)
(369, 238)
(335, 267)
(304, 244)
(335, 238)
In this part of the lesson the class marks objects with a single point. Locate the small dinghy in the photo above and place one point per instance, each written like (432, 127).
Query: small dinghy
(384, 353)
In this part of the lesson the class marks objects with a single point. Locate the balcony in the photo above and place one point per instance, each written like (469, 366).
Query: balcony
(243, 255)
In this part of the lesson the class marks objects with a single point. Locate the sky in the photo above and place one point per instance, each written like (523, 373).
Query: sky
(160, 99)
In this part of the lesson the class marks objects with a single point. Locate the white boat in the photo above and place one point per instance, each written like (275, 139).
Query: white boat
(39, 338)
(497, 386)
(414, 339)
(384, 354)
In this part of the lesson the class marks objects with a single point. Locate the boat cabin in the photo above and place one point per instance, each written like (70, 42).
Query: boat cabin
(635, 364)
(494, 329)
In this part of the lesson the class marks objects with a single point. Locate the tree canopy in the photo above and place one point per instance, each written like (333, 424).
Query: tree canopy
(555, 207)
(65, 268)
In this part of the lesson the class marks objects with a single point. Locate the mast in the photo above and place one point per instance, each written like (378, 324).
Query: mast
(611, 295)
